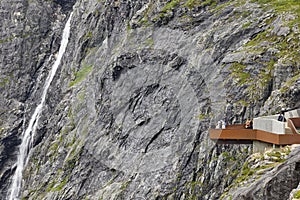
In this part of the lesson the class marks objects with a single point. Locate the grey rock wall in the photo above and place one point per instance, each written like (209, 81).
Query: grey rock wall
(269, 183)
(28, 38)
(141, 82)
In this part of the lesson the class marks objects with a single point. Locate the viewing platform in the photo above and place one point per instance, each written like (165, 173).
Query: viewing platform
(238, 135)
(265, 129)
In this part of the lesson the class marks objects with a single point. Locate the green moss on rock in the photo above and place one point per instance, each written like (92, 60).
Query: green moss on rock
(239, 73)
(81, 74)
(170, 6)
(297, 194)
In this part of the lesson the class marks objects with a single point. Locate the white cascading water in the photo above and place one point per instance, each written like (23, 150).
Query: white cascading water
(28, 134)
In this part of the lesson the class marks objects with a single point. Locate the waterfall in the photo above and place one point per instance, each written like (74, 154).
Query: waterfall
(28, 134)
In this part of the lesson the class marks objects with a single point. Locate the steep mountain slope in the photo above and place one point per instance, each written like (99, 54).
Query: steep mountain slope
(128, 112)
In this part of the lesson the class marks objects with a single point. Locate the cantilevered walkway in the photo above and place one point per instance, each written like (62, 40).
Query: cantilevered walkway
(265, 129)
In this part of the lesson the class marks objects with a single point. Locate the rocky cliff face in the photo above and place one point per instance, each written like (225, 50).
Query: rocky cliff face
(141, 82)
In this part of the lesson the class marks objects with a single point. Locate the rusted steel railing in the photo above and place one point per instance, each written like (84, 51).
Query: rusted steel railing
(291, 125)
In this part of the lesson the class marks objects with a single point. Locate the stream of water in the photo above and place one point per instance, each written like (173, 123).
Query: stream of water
(28, 134)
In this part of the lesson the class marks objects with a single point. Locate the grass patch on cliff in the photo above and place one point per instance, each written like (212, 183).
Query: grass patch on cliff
(55, 186)
(209, 3)
(170, 6)
(50, 186)
(228, 157)
(247, 172)
(255, 166)
(285, 48)
(195, 3)
(149, 42)
(278, 41)
(8, 39)
(297, 194)
(191, 3)
(3, 82)
(166, 11)
(88, 35)
(289, 83)
(203, 116)
(192, 189)
(73, 157)
(81, 74)
(239, 73)
(287, 45)
(54, 146)
(59, 187)
(5, 79)
(281, 5)
(144, 21)
(81, 95)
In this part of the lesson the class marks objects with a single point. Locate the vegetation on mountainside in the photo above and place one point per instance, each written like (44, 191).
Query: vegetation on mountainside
(297, 194)
(256, 166)
(81, 74)
(231, 162)
(284, 48)
(3, 81)
(276, 45)
(170, 6)
(281, 5)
